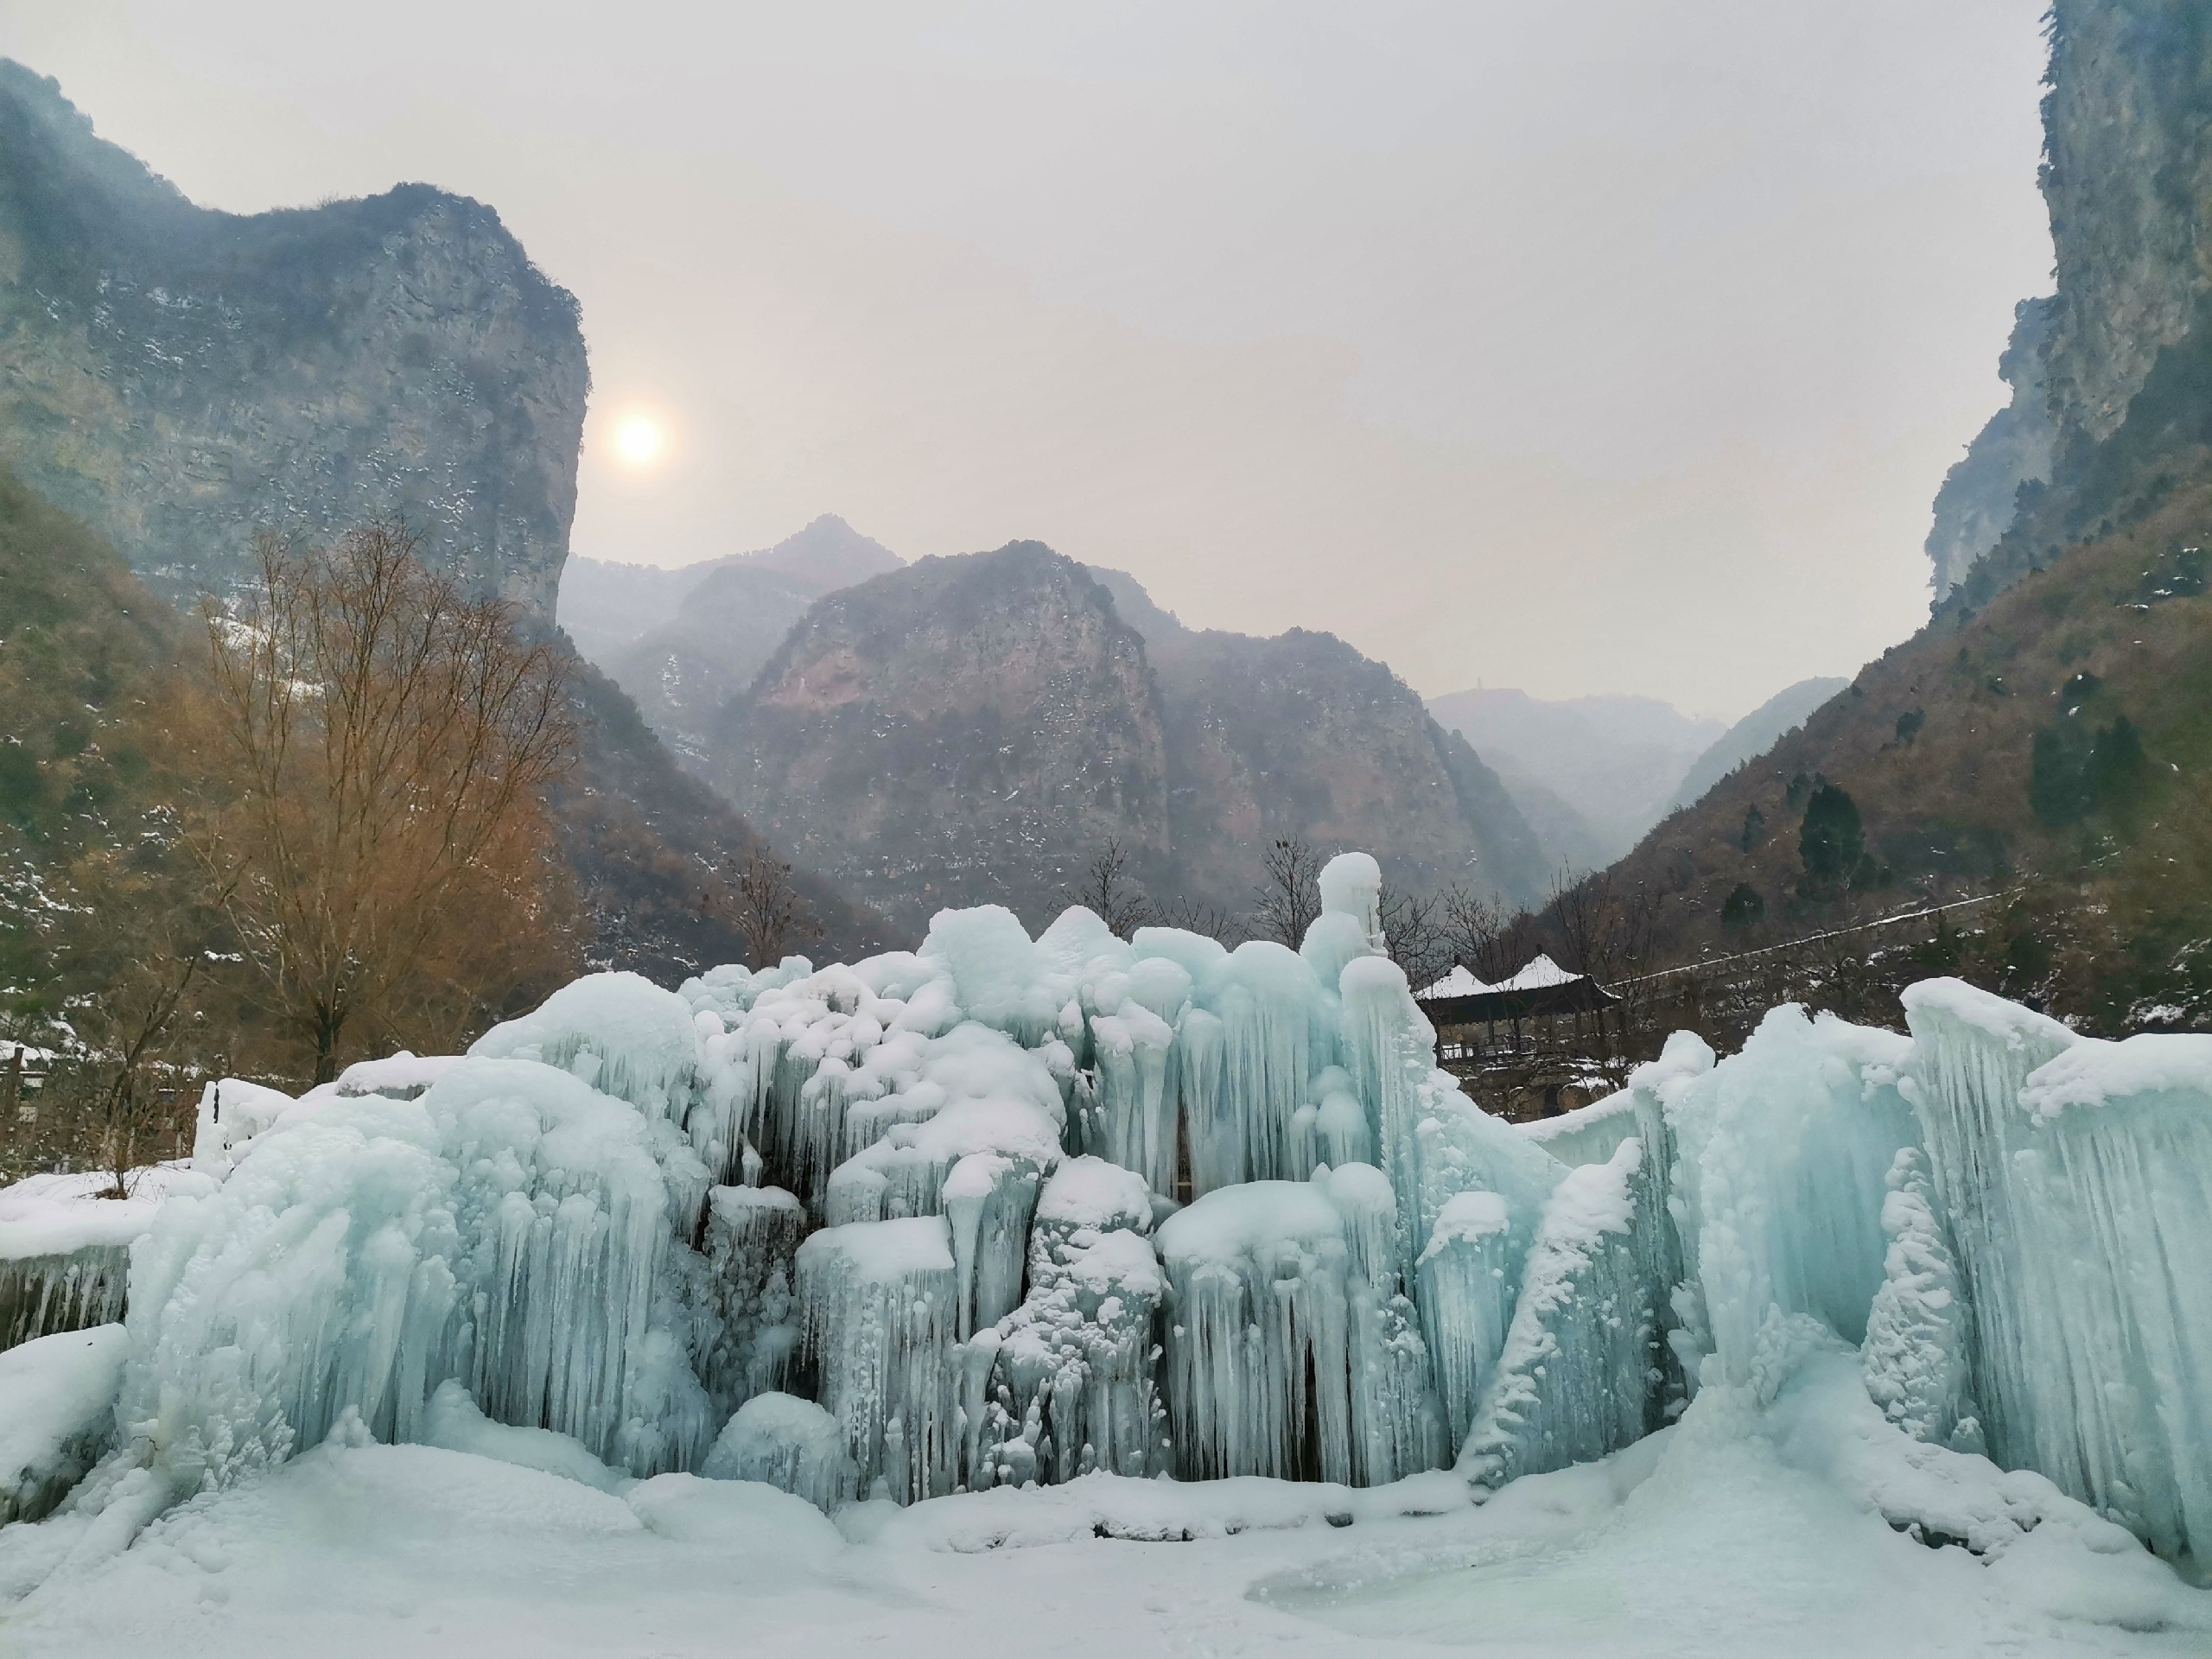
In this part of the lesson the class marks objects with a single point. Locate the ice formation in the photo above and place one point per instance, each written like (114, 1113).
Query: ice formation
(57, 1415)
(789, 1444)
(65, 1248)
(902, 1228)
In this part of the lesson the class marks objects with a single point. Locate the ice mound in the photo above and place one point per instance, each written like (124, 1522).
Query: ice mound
(620, 1032)
(57, 1415)
(792, 1445)
(509, 1228)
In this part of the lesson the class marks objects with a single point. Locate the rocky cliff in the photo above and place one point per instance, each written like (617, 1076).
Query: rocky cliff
(963, 731)
(2127, 177)
(978, 729)
(2046, 736)
(180, 379)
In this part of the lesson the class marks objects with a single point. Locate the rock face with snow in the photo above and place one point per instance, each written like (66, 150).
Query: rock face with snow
(904, 1228)
(181, 378)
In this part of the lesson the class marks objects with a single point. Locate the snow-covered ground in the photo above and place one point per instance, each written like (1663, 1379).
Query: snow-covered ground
(1719, 1537)
(1754, 1527)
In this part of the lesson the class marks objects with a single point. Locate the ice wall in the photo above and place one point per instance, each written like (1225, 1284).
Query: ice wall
(2077, 1179)
(903, 1227)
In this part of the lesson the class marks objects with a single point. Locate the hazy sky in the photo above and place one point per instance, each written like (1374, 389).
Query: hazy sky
(1588, 346)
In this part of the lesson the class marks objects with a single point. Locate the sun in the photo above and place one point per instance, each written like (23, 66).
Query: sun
(640, 441)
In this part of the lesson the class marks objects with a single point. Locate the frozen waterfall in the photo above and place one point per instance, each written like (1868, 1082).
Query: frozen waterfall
(903, 1227)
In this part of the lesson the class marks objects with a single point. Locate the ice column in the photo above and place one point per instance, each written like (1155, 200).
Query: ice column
(752, 1235)
(1469, 1273)
(879, 1304)
(1064, 1384)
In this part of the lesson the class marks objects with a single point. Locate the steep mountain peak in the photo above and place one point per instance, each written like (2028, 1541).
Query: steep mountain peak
(829, 553)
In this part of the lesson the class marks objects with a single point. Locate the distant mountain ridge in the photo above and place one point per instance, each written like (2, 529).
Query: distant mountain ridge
(683, 642)
(1609, 765)
(977, 728)
(1754, 734)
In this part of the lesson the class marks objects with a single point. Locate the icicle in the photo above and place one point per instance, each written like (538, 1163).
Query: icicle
(1289, 1352)
(43, 1294)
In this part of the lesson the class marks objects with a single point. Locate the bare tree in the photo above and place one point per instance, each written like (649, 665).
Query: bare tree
(1414, 928)
(1606, 926)
(760, 902)
(133, 949)
(1197, 916)
(1289, 898)
(1492, 943)
(1111, 896)
(380, 744)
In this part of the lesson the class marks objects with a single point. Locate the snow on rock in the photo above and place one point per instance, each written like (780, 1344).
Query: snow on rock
(792, 1445)
(57, 1415)
(232, 1112)
(65, 1245)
